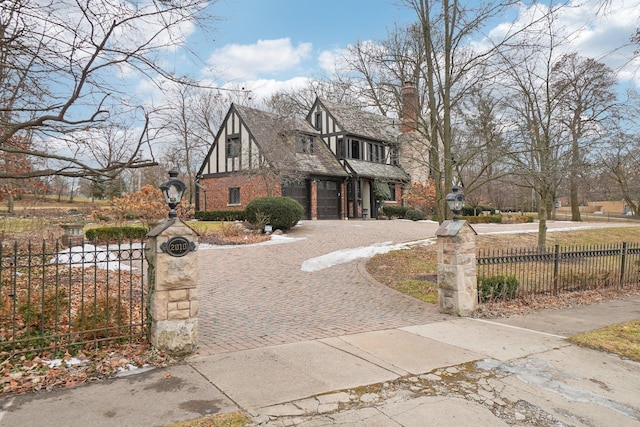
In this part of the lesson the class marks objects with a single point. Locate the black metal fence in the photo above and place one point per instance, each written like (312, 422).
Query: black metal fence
(522, 272)
(54, 298)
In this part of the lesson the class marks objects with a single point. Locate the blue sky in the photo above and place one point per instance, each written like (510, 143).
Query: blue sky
(275, 44)
(268, 45)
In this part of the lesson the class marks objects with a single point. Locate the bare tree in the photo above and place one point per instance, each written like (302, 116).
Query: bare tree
(63, 68)
(585, 90)
(540, 154)
(481, 145)
(434, 54)
(621, 162)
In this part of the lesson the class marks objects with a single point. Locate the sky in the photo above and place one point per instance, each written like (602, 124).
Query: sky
(267, 45)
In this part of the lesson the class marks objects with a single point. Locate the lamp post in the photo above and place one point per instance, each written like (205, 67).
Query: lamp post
(172, 192)
(455, 201)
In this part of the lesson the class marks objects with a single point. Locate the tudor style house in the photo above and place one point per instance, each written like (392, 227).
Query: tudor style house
(338, 163)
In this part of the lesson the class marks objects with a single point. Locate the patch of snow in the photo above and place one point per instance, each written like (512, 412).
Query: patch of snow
(125, 371)
(275, 240)
(87, 256)
(347, 255)
(55, 363)
(549, 230)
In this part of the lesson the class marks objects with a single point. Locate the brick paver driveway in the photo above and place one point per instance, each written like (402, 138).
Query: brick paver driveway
(254, 296)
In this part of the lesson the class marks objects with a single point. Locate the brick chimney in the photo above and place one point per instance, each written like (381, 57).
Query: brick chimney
(409, 113)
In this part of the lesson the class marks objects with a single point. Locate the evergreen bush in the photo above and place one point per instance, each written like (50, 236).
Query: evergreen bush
(104, 234)
(395, 211)
(497, 287)
(230, 215)
(415, 215)
(280, 212)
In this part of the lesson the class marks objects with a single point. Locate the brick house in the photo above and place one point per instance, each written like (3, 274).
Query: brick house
(337, 163)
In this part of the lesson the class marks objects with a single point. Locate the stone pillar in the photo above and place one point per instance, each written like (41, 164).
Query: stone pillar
(172, 305)
(457, 282)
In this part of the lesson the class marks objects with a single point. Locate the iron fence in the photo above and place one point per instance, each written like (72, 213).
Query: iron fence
(521, 272)
(54, 298)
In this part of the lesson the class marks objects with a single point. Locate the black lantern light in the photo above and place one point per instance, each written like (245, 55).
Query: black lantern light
(172, 192)
(455, 201)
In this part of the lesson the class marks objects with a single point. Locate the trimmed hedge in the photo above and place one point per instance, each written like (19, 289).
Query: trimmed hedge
(280, 212)
(235, 215)
(104, 234)
(471, 211)
(485, 219)
(403, 212)
(415, 215)
(395, 211)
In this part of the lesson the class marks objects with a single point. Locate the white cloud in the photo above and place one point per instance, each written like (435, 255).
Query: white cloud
(236, 61)
(591, 29)
(332, 60)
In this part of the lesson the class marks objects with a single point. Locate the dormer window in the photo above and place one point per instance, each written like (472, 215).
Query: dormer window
(305, 144)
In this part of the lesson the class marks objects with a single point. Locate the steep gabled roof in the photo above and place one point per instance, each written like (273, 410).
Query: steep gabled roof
(356, 121)
(273, 134)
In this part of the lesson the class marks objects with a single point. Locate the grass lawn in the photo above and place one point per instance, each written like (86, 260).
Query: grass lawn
(622, 339)
(414, 271)
(232, 419)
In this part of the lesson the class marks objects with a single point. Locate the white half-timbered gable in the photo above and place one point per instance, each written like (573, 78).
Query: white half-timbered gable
(234, 148)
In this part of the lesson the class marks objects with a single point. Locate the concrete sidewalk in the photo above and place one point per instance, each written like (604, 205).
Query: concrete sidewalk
(517, 371)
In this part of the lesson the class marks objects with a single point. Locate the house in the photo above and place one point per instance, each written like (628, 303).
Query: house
(340, 162)
(366, 145)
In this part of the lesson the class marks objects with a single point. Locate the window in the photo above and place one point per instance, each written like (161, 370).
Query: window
(306, 144)
(233, 146)
(394, 156)
(392, 191)
(234, 196)
(319, 120)
(341, 153)
(355, 149)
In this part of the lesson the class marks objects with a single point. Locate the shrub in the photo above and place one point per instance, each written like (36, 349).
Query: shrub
(281, 212)
(415, 215)
(486, 219)
(395, 211)
(145, 204)
(477, 210)
(497, 287)
(236, 215)
(104, 234)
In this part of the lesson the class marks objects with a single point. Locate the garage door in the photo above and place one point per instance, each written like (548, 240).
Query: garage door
(299, 191)
(328, 200)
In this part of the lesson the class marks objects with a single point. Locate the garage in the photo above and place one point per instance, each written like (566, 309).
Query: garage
(299, 191)
(328, 200)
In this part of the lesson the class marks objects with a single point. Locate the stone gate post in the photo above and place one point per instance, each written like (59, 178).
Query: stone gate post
(457, 282)
(172, 305)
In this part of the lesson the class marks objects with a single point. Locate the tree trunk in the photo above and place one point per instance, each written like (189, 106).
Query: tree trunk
(10, 204)
(542, 223)
(573, 179)
(575, 203)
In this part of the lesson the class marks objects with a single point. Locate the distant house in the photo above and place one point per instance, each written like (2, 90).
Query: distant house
(338, 163)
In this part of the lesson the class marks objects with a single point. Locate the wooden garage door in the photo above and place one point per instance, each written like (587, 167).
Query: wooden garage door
(328, 200)
(299, 191)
